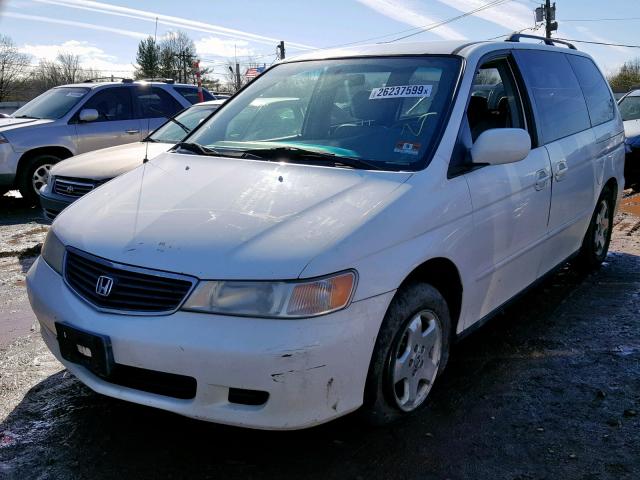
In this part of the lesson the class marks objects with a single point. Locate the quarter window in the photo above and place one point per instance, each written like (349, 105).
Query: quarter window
(561, 107)
(595, 89)
(112, 104)
(155, 103)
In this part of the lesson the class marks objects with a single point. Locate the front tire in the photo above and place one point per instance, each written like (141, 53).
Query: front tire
(33, 175)
(411, 350)
(595, 245)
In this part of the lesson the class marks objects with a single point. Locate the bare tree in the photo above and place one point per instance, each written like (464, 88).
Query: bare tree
(13, 67)
(177, 54)
(69, 66)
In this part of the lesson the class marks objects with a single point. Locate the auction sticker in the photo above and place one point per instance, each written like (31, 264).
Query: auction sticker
(407, 147)
(401, 91)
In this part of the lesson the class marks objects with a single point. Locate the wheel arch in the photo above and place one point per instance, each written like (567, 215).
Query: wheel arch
(61, 152)
(443, 275)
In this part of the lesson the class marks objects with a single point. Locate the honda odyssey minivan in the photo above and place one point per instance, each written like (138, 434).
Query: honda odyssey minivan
(280, 271)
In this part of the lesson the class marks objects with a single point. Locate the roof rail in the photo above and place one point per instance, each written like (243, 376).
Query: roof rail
(108, 79)
(515, 37)
(157, 79)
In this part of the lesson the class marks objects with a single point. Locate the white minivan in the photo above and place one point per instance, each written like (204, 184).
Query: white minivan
(317, 245)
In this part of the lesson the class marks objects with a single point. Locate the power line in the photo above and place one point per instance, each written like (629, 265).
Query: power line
(599, 19)
(598, 43)
(491, 4)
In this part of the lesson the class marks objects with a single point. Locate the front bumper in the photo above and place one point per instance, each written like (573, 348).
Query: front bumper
(8, 165)
(52, 204)
(314, 370)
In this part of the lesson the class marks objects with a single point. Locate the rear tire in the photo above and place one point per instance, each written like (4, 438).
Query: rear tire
(598, 237)
(411, 350)
(33, 175)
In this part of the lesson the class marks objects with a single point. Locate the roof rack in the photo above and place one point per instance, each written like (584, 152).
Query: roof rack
(108, 79)
(515, 37)
(158, 79)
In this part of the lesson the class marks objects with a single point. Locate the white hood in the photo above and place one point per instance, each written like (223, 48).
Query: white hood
(108, 162)
(219, 218)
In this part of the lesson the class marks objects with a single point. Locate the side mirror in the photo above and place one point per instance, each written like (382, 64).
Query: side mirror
(88, 115)
(498, 146)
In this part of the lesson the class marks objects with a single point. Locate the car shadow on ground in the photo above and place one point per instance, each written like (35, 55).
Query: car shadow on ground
(14, 210)
(539, 391)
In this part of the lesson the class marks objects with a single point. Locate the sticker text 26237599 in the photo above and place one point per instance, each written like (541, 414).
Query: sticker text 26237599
(401, 91)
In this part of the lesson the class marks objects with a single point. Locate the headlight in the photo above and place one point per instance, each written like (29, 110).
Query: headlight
(50, 181)
(296, 299)
(53, 251)
(3, 139)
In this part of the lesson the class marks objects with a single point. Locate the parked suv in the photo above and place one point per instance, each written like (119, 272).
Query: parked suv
(73, 119)
(281, 277)
(76, 176)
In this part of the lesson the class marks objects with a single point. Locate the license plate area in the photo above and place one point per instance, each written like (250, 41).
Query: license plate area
(91, 350)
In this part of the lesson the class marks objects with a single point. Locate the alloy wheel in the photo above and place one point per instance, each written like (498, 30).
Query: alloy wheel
(40, 177)
(416, 360)
(602, 228)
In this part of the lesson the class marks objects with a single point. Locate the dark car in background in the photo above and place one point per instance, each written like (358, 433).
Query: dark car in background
(629, 106)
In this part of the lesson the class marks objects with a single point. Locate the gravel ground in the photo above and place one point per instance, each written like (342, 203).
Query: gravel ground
(549, 389)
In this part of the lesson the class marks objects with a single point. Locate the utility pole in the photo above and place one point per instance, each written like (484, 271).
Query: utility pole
(280, 51)
(196, 66)
(238, 82)
(549, 13)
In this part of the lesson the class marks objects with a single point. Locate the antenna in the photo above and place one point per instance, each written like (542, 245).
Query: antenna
(146, 146)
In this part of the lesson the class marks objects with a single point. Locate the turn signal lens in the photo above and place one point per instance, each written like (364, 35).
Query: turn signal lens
(325, 295)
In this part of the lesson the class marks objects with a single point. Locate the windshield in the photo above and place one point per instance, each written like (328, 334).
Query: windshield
(52, 104)
(630, 108)
(387, 111)
(175, 130)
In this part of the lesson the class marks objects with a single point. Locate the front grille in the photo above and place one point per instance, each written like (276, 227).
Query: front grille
(133, 290)
(73, 187)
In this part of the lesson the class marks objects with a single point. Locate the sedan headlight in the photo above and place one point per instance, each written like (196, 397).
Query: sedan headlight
(53, 251)
(3, 139)
(296, 299)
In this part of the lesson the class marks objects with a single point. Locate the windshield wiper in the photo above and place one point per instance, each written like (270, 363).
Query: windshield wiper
(28, 116)
(197, 149)
(300, 154)
(181, 125)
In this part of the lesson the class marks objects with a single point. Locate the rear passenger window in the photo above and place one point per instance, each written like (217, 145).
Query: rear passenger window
(557, 95)
(595, 89)
(155, 103)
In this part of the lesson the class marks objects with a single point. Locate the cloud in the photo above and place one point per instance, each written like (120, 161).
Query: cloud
(511, 15)
(218, 47)
(91, 57)
(108, 9)
(401, 11)
(72, 23)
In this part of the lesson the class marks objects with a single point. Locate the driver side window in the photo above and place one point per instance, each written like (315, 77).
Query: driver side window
(494, 101)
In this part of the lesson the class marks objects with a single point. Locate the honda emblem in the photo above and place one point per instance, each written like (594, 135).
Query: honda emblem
(104, 286)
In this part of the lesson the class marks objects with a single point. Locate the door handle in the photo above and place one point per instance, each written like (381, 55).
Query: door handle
(542, 176)
(561, 170)
(131, 132)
